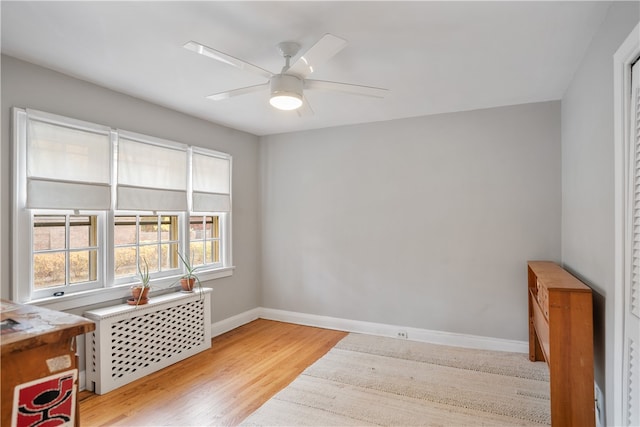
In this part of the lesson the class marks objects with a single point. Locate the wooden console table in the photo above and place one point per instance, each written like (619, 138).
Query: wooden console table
(561, 333)
(39, 365)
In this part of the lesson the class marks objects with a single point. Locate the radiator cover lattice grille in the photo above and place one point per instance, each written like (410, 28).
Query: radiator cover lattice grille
(131, 342)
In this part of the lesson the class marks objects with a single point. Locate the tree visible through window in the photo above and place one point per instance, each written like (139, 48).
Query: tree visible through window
(65, 250)
(153, 239)
(204, 239)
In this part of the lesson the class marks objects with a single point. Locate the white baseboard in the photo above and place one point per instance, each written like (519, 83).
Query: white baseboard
(370, 328)
(82, 380)
(219, 328)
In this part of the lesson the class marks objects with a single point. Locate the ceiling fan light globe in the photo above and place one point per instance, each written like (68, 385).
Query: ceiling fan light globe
(286, 102)
(286, 92)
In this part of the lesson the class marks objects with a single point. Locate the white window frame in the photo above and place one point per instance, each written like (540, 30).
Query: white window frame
(108, 288)
(225, 217)
(22, 236)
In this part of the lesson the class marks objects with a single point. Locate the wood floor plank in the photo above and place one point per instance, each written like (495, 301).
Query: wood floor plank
(220, 386)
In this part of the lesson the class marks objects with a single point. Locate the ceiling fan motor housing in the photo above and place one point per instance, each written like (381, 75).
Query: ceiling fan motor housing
(286, 91)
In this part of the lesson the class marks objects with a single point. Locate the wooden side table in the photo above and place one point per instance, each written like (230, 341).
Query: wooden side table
(561, 333)
(39, 364)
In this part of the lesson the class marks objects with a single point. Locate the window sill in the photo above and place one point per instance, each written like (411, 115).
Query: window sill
(102, 296)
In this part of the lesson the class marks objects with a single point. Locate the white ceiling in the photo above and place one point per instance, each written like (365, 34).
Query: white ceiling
(434, 57)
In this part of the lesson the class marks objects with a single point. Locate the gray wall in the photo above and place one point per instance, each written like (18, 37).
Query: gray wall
(424, 222)
(27, 85)
(588, 180)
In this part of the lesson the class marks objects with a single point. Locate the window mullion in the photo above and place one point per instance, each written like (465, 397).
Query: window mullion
(93, 243)
(138, 240)
(160, 243)
(174, 236)
(67, 250)
(108, 256)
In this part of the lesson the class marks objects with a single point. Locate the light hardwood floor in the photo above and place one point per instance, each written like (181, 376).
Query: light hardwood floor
(220, 386)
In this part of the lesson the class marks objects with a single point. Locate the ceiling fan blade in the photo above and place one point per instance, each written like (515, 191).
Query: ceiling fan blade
(305, 110)
(374, 92)
(227, 59)
(237, 92)
(317, 54)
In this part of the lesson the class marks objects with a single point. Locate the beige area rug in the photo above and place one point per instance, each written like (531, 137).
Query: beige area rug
(369, 380)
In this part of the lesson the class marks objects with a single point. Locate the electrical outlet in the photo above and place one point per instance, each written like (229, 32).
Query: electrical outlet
(599, 405)
(403, 335)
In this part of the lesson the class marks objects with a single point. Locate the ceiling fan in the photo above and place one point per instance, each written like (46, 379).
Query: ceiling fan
(286, 88)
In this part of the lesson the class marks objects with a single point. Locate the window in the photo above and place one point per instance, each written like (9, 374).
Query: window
(65, 250)
(204, 240)
(140, 239)
(94, 203)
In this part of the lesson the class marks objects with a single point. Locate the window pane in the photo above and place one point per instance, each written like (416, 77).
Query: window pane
(125, 262)
(80, 269)
(81, 232)
(55, 263)
(149, 253)
(157, 243)
(197, 253)
(209, 252)
(169, 258)
(195, 228)
(216, 250)
(148, 229)
(216, 226)
(209, 227)
(48, 232)
(48, 270)
(169, 228)
(204, 234)
(125, 230)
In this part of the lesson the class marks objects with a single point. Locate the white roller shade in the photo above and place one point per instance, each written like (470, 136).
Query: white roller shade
(211, 182)
(150, 176)
(68, 163)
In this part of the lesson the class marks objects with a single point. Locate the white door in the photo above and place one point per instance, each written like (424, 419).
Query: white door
(631, 331)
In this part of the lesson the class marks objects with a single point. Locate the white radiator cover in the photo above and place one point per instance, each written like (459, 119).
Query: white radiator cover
(131, 342)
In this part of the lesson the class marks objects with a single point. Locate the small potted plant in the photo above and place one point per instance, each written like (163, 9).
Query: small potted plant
(140, 291)
(190, 279)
